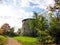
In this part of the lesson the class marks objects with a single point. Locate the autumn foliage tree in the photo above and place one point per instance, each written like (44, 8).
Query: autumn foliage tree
(1, 31)
(4, 28)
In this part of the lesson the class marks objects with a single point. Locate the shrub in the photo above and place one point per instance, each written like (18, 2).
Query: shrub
(2, 40)
(55, 32)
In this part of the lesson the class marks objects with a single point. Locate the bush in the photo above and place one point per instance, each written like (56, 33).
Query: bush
(2, 40)
(55, 32)
(42, 36)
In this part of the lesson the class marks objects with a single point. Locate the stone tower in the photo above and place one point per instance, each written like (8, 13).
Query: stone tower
(26, 28)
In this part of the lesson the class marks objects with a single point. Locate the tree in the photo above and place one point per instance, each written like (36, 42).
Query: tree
(19, 31)
(55, 32)
(54, 29)
(5, 27)
(39, 21)
(11, 32)
(55, 22)
(56, 9)
(12, 29)
(56, 6)
(1, 31)
(40, 24)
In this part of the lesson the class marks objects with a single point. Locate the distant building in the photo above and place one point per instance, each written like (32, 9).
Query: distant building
(26, 28)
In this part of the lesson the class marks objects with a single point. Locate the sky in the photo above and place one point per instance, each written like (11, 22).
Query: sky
(14, 11)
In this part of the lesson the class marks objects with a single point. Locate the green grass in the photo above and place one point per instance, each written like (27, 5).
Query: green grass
(2, 39)
(27, 40)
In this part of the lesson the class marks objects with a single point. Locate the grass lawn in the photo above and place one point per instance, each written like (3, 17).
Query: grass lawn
(27, 40)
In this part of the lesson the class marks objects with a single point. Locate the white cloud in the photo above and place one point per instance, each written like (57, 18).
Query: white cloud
(41, 4)
(24, 3)
(13, 12)
(12, 15)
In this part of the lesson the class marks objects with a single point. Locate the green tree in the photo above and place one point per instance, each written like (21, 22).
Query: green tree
(12, 29)
(10, 32)
(19, 31)
(55, 22)
(40, 24)
(54, 31)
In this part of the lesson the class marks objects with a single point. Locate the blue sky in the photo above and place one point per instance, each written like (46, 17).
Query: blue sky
(14, 11)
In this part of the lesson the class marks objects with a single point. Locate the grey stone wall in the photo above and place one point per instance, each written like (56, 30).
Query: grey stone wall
(26, 31)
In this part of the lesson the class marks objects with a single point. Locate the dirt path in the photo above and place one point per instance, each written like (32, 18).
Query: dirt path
(12, 41)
